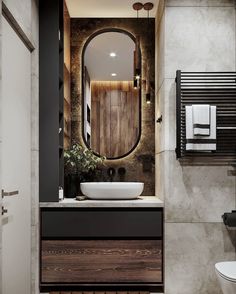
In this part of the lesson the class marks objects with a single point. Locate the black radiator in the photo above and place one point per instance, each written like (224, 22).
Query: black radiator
(214, 88)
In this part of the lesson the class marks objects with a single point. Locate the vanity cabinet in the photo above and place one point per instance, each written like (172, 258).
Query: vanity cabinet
(102, 249)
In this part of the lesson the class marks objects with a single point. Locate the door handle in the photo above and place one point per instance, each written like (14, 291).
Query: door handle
(4, 210)
(7, 194)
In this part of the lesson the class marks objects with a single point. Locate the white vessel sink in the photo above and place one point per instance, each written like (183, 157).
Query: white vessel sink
(112, 190)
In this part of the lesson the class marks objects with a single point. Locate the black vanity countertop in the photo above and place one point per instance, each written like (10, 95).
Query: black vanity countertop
(143, 201)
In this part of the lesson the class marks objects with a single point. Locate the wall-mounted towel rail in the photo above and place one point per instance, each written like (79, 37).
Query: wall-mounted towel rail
(226, 128)
(211, 88)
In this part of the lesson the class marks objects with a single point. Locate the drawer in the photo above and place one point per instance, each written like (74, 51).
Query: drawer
(76, 223)
(101, 261)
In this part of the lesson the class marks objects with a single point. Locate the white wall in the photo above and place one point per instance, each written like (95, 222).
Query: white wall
(192, 35)
(25, 13)
(22, 13)
(16, 162)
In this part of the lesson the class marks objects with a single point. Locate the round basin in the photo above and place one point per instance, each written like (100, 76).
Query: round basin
(112, 190)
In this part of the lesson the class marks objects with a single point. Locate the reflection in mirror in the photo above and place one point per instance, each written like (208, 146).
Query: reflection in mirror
(111, 103)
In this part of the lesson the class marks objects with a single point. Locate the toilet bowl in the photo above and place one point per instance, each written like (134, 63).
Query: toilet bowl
(226, 274)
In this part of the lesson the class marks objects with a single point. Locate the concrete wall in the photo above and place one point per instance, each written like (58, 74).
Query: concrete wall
(192, 35)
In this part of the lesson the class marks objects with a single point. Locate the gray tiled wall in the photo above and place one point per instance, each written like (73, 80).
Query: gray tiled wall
(195, 35)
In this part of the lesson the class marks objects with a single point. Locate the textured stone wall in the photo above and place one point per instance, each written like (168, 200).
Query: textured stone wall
(192, 35)
(81, 30)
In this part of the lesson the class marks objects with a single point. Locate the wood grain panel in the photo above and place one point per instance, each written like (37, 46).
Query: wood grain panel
(115, 117)
(105, 119)
(95, 113)
(115, 131)
(108, 261)
(115, 121)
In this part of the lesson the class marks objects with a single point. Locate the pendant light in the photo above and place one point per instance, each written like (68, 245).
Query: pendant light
(148, 6)
(137, 59)
(137, 56)
(135, 82)
(147, 86)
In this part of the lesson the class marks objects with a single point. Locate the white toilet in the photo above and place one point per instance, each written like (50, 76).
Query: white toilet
(226, 273)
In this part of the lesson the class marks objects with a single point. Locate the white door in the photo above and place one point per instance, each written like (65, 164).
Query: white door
(16, 163)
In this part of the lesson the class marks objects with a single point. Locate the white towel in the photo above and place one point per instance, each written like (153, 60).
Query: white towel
(200, 143)
(201, 120)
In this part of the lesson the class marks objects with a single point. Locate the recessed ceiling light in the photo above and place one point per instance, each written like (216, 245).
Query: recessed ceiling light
(113, 54)
(113, 74)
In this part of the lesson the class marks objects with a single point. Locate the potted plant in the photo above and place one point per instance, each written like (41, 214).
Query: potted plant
(81, 165)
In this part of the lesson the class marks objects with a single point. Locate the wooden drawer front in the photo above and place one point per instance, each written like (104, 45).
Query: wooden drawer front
(101, 261)
(100, 292)
(100, 224)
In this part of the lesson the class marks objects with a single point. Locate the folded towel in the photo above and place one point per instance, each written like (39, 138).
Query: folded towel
(201, 120)
(200, 143)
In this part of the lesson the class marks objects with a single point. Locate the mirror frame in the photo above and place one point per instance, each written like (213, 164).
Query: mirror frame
(99, 32)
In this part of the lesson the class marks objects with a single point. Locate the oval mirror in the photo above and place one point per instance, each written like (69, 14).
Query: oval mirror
(111, 103)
